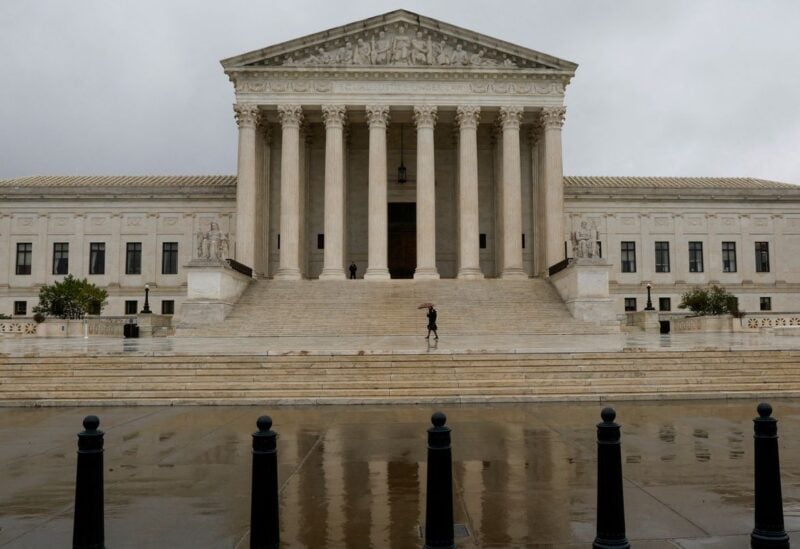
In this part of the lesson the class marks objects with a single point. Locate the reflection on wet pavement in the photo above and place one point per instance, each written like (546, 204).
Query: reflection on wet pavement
(524, 475)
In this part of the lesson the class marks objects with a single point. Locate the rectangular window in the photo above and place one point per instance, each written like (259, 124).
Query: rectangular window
(482, 240)
(662, 257)
(169, 258)
(628, 254)
(695, 257)
(664, 304)
(20, 308)
(60, 258)
(599, 249)
(167, 307)
(320, 241)
(279, 241)
(523, 241)
(24, 258)
(765, 303)
(131, 306)
(97, 258)
(762, 257)
(729, 257)
(630, 304)
(133, 258)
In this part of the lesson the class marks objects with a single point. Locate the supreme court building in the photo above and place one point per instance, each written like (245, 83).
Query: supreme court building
(415, 149)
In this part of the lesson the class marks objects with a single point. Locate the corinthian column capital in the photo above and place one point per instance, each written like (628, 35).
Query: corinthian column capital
(553, 117)
(378, 116)
(334, 115)
(290, 115)
(468, 116)
(246, 115)
(510, 117)
(425, 116)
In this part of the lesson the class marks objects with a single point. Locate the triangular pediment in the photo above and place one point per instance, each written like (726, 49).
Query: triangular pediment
(399, 39)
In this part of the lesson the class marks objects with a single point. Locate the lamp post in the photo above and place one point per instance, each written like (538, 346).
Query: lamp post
(146, 310)
(649, 300)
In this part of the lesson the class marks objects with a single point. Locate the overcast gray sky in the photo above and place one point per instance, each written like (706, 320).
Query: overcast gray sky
(694, 87)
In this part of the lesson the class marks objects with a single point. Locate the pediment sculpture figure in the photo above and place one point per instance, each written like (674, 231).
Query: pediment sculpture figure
(400, 46)
(212, 244)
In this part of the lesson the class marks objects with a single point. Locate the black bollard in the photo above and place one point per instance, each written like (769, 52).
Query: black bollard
(264, 523)
(439, 503)
(610, 499)
(769, 531)
(88, 531)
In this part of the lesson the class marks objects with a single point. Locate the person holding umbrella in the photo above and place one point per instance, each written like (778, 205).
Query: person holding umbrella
(432, 314)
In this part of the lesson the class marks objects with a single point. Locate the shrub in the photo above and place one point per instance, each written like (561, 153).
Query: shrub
(38, 318)
(710, 301)
(71, 298)
(4, 317)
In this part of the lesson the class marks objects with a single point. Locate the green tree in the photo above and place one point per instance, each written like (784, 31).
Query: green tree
(710, 301)
(71, 298)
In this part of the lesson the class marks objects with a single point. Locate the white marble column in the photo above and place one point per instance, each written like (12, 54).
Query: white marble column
(553, 185)
(246, 204)
(264, 158)
(333, 263)
(467, 118)
(425, 119)
(378, 237)
(510, 118)
(290, 116)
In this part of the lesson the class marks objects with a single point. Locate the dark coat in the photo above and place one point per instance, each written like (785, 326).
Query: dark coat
(432, 314)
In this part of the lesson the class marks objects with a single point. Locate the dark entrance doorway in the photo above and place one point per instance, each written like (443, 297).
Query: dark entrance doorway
(402, 239)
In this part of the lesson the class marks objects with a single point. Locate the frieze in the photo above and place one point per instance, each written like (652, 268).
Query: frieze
(250, 85)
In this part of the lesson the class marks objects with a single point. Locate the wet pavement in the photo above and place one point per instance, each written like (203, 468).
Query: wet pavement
(354, 476)
(743, 341)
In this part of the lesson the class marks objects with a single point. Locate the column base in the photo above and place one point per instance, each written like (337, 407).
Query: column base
(428, 273)
(288, 274)
(377, 273)
(470, 273)
(514, 273)
(332, 274)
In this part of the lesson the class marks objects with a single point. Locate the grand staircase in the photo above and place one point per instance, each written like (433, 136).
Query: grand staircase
(361, 308)
(416, 378)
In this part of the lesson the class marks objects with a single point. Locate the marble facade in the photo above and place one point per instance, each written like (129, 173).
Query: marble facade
(324, 123)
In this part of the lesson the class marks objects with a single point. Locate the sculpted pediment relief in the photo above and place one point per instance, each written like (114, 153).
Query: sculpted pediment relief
(398, 39)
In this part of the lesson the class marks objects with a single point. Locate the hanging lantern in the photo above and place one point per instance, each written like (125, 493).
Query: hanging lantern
(402, 175)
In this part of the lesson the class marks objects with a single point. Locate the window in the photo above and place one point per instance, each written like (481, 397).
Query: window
(279, 241)
(762, 257)
(168, 307)
(320, 241)
(664, 304)
(630, 304)
(60, 258)
(97, 258)
(695, 257)
(24, 257)
(523, 241)
(628, 253)
(482, 240)
(169, 258)
(133, 258)
(131, 306)
(20, 308)
(662, 257)
(729, 257)
(599, 249)
(765, 303)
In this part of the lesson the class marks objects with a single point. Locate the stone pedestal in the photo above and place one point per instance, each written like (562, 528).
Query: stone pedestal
(213, 289)
(646, 320)
(583, 285)
(151, 325)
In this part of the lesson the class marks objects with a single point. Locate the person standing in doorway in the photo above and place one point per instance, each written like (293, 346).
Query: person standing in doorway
(432, 314)
(353, 270)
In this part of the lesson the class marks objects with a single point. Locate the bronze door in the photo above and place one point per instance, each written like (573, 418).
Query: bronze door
(402, 239)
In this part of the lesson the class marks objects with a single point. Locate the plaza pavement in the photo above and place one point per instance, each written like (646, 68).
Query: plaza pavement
(354, 476)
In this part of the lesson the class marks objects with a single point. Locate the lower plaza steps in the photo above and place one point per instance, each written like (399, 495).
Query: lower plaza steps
(270, 308)
(398, 378)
